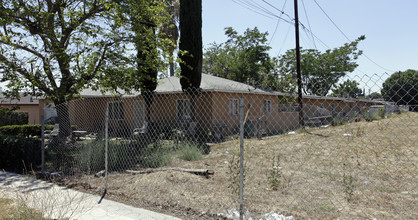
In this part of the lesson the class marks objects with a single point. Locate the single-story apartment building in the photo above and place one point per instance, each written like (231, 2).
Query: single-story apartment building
(216, 106)
(27, 103)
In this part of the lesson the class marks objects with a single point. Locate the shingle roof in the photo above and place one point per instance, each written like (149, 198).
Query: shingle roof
(24, 100)
(208, 83)
(216, 84)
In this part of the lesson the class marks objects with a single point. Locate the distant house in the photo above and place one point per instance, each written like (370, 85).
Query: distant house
(217, 106)
(27, 103)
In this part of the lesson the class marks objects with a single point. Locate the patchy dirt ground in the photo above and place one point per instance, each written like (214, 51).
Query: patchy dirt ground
(359, 170)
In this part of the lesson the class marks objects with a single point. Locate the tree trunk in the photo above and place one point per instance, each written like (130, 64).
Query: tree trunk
(171, 68)
(63, 121)
(148, 98)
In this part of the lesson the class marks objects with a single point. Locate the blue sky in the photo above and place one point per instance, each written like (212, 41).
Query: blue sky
(390, 27)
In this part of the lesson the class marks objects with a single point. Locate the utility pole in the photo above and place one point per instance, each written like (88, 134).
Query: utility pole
(299, 75)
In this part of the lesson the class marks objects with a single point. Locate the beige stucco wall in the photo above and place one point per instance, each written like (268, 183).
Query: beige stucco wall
(273, 122)
(32, 110)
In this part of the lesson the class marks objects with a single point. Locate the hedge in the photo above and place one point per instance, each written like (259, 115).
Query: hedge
(8, 117)
(27, 130)
(17, 153)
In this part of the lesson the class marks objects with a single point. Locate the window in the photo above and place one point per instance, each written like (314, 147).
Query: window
(233, 107)
(267, 106)
(116, 111)
(183, 110)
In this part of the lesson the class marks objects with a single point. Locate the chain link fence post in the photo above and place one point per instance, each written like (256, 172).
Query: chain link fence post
(42, 144)
(241, 160)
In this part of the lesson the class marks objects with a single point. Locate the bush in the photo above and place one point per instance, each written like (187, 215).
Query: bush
(17, 152)
(26, 130)
(375, 116)
(154, 155)
(9, 117)
(92, 155)
(336, 121)
(190, 151)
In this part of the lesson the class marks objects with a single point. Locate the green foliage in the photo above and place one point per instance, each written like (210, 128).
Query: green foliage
(27, 130)
(17, 152)
(375, 116)
(320, 70)
(10, 117)
(402, 88)
(190, 151)
(190, 44)
(375, 95)
(337, 121)
(153, 157)
(23, 211)
(347, 89)
(243, 58)
(275, 174)
(348, 184)
(92, 155)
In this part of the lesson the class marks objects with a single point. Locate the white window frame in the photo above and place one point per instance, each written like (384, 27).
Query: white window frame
(233, 106)
(116, 110)
(185, 115)
(267, 106)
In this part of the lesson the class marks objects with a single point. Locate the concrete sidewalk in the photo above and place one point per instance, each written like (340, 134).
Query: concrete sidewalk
(57, 202)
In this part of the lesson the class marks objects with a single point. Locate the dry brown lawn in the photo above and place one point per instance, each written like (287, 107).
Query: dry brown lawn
(380, 157)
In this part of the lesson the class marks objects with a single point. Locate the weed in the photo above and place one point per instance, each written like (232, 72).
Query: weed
(381, 126)
(190, 151)
(24, 212)
(154, 157)
(323, 207)
(275, 174)
(375, 116)
(337, 121)
(234, 175)
(360, 131)
(348, 184)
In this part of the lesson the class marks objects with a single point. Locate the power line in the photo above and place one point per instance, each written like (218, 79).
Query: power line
(347, 37)
(251, 9)
(309, 24)
(278, 22)
(256, 8)
(281, 11)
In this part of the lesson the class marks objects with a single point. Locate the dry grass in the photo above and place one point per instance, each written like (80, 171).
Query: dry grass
(9, 209)
(380, 156)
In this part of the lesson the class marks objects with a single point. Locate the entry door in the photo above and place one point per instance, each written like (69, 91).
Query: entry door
(139, 113)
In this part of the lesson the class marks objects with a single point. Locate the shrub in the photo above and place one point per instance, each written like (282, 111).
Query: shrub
(9, 117)
(26, 130)
(375, 116)
(92, 155)
(17, 152)
(155, 158)
(190, 151)
(336, 121)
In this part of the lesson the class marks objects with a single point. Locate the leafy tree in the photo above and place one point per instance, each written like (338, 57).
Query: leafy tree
(375, 95)
(56, 46)
(191, 47)
(171, 29)
(347, 89)
(402, 88)
(320, 70)
(241, 58)
(61, 47)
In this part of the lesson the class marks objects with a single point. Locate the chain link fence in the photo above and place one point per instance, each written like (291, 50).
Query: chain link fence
(180, 153)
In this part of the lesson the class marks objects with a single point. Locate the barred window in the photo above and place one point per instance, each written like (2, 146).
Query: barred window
(233, 107)
(267, 106)
(183, 110)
